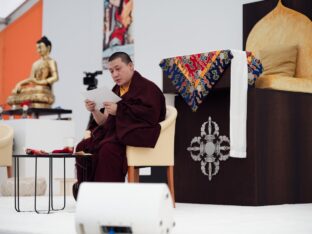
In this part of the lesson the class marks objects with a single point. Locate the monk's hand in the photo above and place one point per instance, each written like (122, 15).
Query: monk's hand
(90, 105)
(110, 107)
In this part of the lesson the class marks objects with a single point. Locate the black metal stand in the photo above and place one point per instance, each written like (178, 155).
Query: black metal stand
(50, 181)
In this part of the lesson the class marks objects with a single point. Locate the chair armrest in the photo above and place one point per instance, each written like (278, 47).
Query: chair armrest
(5, 140)
(172, 113)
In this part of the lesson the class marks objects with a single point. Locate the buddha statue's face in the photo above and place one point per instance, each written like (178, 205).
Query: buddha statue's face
(42, 49)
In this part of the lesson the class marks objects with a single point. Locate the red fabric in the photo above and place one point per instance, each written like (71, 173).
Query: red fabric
(26, 103)
(36, 152)
(66, 150)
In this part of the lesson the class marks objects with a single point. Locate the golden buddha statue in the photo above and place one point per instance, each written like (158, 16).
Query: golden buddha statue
(37, 89)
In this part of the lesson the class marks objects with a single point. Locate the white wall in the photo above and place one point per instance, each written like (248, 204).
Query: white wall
(162, 28)
(170, 28)
(75, 29)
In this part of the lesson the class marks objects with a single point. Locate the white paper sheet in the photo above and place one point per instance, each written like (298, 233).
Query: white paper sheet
(101, 95)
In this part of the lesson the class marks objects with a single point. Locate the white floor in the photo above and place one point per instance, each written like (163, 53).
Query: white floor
(189, 218)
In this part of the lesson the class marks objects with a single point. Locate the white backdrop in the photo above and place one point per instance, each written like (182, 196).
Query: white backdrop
(162, 28)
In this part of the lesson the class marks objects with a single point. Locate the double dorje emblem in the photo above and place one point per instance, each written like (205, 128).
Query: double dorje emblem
(209, 148)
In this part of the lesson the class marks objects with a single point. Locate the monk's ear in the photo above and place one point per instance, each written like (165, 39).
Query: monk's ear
(131, 65)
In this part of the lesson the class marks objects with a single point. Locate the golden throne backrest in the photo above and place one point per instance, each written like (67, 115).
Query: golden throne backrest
(284, 26)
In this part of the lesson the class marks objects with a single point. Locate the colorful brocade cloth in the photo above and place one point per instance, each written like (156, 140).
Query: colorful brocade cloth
(255, 68)
(194, 76)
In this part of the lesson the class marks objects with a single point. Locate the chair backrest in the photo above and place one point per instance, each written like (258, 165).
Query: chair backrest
(163, 152)
(6, 145)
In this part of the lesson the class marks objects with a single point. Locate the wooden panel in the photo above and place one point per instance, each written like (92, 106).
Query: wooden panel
(191, 185)
(279, 151)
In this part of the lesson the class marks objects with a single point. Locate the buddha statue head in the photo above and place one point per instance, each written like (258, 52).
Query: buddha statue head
(44, 46)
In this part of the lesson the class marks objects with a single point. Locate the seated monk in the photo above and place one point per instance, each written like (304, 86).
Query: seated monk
(37, 89)
(132, 121)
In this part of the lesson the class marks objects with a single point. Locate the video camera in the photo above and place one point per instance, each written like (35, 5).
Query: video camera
(90, 79)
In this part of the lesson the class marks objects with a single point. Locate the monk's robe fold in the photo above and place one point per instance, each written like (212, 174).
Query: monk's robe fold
(139, 113)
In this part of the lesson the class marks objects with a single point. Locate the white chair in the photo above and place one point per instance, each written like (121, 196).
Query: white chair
(6, 147)
(161, 155)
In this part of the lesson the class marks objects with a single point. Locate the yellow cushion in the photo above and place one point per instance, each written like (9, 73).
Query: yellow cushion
(284, 26)
(279, 60)
(284, 83)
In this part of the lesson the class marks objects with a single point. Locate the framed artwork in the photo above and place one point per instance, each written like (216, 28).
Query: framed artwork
(117, 32)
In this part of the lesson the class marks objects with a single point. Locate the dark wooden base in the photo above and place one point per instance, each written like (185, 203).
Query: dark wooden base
(277, 169)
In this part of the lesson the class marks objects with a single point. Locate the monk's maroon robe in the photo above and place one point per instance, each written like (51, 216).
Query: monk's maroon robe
(136, 124)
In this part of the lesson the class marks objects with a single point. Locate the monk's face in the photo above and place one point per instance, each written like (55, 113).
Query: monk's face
(121, 72)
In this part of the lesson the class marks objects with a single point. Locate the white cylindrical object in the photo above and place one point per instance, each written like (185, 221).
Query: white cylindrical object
(143, 208)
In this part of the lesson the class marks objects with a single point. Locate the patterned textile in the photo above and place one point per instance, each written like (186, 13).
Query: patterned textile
(255, 68)
(194, 76)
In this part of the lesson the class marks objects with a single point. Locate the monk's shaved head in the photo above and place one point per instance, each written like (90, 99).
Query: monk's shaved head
(122, 55)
